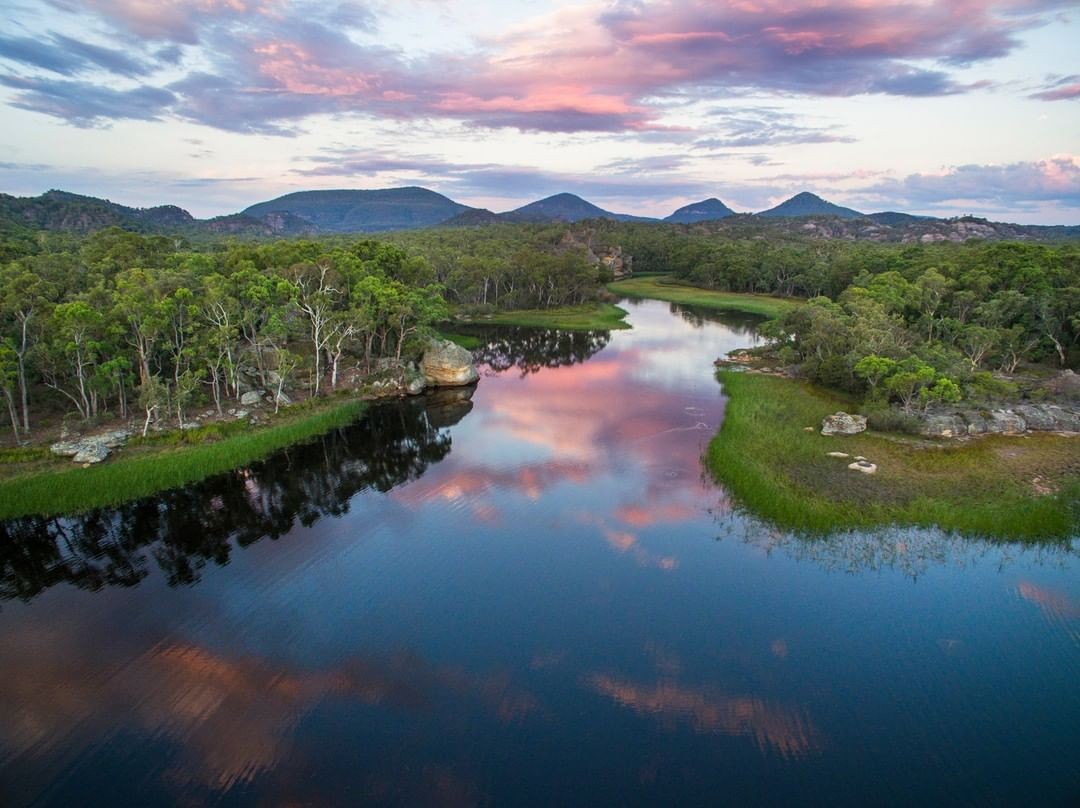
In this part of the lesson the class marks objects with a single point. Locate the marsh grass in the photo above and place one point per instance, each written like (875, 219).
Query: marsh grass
(663, 287)
(146, 467)
(589, 317)
(983, 487)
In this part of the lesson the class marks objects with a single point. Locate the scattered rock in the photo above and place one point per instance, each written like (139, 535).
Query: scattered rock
(838, 454)
(446, 364)
(91, 449)
(864, 466)
(808, 429)
(252, 397)
(239, 413)
(843, 424)
(415, 385)
(281, 399)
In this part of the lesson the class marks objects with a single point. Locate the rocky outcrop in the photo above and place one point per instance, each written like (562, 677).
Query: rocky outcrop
(446, 364)
(91, 449)
(1005, 421)
(843, 424)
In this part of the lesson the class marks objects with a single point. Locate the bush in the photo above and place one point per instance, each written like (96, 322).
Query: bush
(890, 419)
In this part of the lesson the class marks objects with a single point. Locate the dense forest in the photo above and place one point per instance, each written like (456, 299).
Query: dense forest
(124, 324)
(117, 323)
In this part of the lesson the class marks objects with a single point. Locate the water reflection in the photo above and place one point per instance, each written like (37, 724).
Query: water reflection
(184, 529)
(540, 615)
(533, 349)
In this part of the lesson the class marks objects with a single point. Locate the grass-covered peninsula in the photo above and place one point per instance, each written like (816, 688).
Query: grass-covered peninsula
(1017, 487)
(585, 317)
(52, 486)
(664, 287)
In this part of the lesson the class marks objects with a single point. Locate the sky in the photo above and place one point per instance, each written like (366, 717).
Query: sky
(640, 106)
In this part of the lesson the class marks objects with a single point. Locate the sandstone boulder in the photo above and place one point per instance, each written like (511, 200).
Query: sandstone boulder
(446, 364)
(252, 397)
(843, 424)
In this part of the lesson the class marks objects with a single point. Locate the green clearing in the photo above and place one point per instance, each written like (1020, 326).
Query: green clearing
(590, 317)
(144, 468)
(662, 287)
(984, 487)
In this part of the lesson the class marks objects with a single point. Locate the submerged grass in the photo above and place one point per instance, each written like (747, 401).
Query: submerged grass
(144, 468)
(589, 317)
(983, 487)
(663, 287)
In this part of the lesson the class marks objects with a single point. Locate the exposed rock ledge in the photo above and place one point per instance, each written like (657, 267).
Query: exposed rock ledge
(91, 449)
(1007, 421)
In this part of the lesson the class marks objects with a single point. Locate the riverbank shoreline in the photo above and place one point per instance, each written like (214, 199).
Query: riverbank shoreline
(170, 460)
(1006, 487)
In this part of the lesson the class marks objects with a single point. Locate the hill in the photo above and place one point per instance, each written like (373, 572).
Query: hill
(705, 211)
(354, 211)
(60, 210)
(566, 208)
(808, 204)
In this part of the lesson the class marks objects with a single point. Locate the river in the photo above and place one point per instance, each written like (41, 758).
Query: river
(530, 596)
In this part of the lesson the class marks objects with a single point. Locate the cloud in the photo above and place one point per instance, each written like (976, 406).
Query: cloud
(1055, 180)
(264, 65)
(1059, 88)
(755, 127)
(87, 104)
(62, 54)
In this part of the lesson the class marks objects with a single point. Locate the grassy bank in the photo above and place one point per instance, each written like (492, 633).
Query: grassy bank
(782, 473)
(662, 287)
(145, 469)
(590, 317)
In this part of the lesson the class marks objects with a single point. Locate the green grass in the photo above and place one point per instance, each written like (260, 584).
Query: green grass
(589, 317)
(144, 468)
(982, 487)
(466, 341)
(662, 287)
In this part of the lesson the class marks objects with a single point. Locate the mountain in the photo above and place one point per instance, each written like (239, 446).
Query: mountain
(348, 211)
(808, 204)
(60, 210)
(473, 217)
(707, 210)
(566, 208)
(894, 219)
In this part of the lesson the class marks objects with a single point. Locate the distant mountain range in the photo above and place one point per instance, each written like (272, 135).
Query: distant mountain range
(362, 211)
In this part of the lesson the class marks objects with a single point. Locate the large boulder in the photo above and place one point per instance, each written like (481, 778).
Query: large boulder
(252, 397)
(843, 424)
(446, 364)
(944, 426)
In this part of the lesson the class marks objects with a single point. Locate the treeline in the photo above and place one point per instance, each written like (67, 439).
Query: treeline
(925, 325)
(119, 323)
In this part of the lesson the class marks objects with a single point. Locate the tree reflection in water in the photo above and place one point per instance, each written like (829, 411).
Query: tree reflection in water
(184, 529)
(533, 349)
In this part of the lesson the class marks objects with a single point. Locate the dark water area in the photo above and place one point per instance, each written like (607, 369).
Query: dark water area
(528, 593)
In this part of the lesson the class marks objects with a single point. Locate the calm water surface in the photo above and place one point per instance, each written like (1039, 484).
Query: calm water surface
(532, 596)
